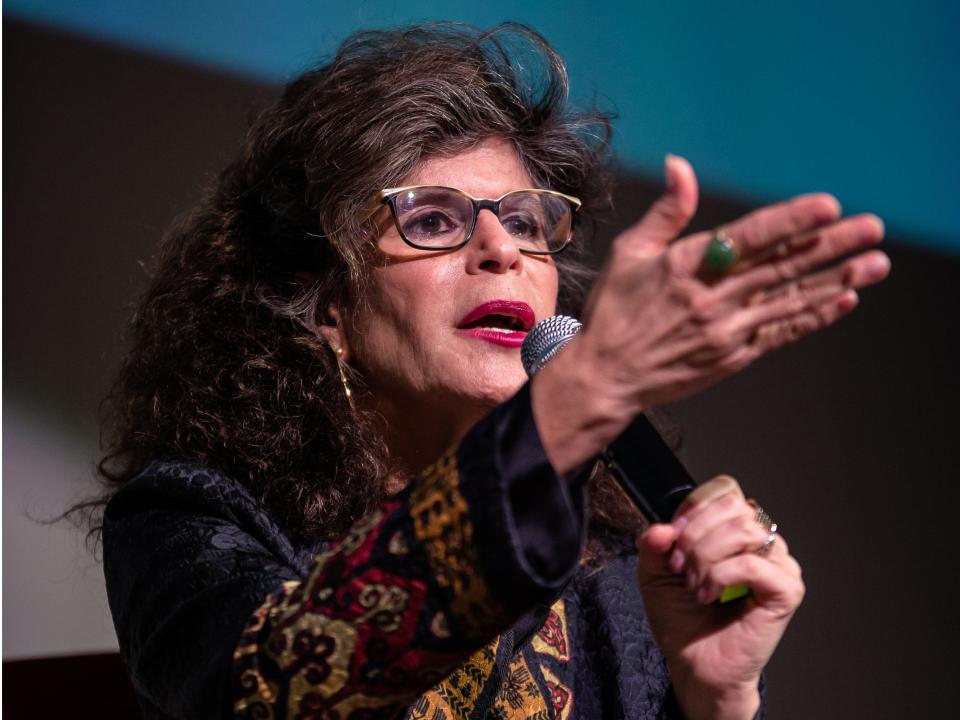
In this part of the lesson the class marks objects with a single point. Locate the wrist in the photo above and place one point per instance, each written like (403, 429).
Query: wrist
(699, 699)
(574, 411)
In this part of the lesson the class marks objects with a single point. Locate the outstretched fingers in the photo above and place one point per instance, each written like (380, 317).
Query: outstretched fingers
(811, 303)
(759, 330)
(756, 232)
(810, 251)
(760, 232)
(783, 298)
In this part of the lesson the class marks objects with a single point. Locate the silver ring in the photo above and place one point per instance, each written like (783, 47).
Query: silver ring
(767, 546)
(764, 519)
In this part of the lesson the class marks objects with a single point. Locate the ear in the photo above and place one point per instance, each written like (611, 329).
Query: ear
(333, 332)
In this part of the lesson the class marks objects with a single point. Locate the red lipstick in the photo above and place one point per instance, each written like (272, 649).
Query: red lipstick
(501, 322)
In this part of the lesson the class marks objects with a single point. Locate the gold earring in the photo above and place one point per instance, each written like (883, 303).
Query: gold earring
(343, 379)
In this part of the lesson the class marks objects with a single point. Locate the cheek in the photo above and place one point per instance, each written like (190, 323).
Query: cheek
(548, 285)
(401, 318)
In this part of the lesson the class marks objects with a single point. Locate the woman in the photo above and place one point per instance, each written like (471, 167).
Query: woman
(335, 495)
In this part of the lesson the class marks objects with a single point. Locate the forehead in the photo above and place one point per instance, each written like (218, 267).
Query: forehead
(488, 169)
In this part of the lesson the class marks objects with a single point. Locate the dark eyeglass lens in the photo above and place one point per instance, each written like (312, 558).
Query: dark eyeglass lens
(433, 217)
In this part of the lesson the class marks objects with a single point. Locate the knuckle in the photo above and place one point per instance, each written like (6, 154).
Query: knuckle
(786, 270)
(723, 484)
(683, 294)
(701, 306)
(752, 564)
(735, 362)
(753, 229)
(745, 522)
(669, 210)
(717, 337)
(835, 245)
(778, 336)
(803, 324)
(797, 593)
(675, 262)
(752, 537)
(729, 500)
(796, 301)
(823, 314)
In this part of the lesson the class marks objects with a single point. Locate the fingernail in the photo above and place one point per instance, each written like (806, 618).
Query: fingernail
(677, 558)
(691, 580)
(702, 595)
(878, 266)
(680, 523)
(848, 301)
(669, 160)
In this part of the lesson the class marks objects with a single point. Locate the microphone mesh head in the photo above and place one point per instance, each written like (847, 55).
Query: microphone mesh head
(545, 340)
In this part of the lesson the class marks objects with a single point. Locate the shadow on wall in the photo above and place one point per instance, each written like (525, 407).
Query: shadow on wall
(844, 437)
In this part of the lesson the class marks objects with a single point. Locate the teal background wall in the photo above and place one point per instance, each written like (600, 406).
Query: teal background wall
(767, 99)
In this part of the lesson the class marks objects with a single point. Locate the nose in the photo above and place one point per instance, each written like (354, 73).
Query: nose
(491, 248)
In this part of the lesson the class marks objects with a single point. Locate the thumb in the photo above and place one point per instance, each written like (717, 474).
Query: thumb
(669, 215)
(654, 546)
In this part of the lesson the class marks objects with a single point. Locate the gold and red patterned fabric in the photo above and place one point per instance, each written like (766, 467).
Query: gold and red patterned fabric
(461, 597)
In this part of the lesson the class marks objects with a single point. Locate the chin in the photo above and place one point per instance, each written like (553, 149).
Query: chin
(482, 382)
(495, 393)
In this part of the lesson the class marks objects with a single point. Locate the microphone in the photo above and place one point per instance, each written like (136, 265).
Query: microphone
(640, 460)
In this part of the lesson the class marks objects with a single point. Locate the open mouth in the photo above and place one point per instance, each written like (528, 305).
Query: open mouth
(502, 322)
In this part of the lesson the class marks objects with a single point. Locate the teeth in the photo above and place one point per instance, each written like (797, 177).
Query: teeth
(498, 329)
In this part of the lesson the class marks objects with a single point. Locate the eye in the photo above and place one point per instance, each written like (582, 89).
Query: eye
(430, 223)
(523, 226)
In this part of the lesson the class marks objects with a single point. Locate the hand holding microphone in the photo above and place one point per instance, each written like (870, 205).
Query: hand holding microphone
(641, 462)
(666, 319)
(647, 470)
(706, 546)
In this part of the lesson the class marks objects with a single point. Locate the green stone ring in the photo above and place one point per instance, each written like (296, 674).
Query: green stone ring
(721, 254)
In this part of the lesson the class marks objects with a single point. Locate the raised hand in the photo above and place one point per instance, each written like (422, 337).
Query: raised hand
(658, 327)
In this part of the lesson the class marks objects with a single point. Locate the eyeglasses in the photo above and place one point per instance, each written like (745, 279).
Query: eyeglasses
(434, 217)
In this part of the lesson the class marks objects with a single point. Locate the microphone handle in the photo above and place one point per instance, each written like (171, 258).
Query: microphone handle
(648, 471)
(654, 479)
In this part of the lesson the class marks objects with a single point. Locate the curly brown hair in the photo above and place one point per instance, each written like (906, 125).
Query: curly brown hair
(226, 366)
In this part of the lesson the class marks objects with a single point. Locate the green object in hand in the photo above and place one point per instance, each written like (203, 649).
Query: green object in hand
(734, 592)
(721, 254)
